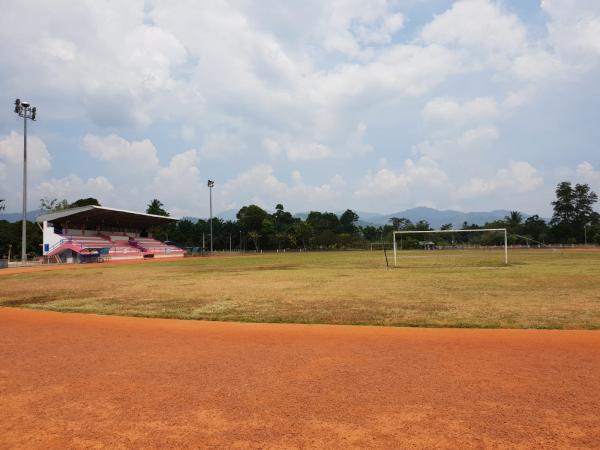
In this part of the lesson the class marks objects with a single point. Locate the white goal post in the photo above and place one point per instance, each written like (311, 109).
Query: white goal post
(479, 230)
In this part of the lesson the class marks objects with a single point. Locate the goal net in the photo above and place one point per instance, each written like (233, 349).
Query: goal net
(453, 239)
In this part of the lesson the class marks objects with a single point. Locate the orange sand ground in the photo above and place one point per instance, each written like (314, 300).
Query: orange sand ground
(75, 381)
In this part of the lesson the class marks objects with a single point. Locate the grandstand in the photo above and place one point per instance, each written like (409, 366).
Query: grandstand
(96, 233)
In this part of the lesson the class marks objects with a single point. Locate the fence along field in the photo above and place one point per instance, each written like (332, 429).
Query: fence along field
(469, 288)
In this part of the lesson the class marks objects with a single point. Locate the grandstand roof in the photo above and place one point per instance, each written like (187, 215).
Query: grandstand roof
(92, 216)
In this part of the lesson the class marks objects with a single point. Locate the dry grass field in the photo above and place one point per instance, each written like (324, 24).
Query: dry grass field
(539, 289)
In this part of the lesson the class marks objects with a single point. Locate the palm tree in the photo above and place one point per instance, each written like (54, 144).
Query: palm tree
(400, 223)
(254, 236)
(514, 219)
(2, 204)
(156, 207)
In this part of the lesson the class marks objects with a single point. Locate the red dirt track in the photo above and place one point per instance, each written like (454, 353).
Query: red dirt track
(85, 381)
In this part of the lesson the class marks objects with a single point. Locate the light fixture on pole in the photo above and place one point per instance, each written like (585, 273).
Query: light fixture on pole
(210, 185)
(26, 111)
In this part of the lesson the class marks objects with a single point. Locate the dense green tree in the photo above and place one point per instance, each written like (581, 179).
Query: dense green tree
(323, 221)
(282, 219)
(401, 223)
(10, 238)
(573, 211)
(251, 217)
(371, 233)
(254, 236)
(535, 228)
(514, 219)
(422, 225)
(90, 201)
(348, 222)
(300, 233)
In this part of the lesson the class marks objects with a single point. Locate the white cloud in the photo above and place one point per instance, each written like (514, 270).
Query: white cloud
(538, 64)
(11, 167)
(72, 187)
(113, 148)
(260, 185)
(574, 27)
(11, 153)
(469, 141)
(222, 145)
(445, 109)
(495, 38)
(272, 147)
(479, 24)
(180, 179)
(307, 151)
(419, 174)
(350, 26)
(587, 172)
(519, 177)
(296, 83)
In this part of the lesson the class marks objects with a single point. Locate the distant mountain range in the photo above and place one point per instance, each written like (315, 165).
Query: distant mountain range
(15, 217)
(435, 217)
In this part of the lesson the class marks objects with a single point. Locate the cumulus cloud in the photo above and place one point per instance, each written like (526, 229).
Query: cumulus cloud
(479, 24)
(497, 37)
(72, 187)
(518, 177)
(222, 145)
(449, 110)
(423, 173)
(574, 27)
(260, 185)
(326, 87)
(589, 174)
(11, 153)
(11, 166)
(463, 144)
(140, 154)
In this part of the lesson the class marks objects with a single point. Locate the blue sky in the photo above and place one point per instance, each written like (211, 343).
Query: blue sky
(372, 105)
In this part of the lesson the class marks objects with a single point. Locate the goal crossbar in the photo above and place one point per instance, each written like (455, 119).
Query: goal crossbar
(479, 230)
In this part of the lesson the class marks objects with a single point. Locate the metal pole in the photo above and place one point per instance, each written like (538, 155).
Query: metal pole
(229, 242)
(211, 228)
(240, 241)
(24, 227)
(395, 253)
(585, 234)
(505, 247)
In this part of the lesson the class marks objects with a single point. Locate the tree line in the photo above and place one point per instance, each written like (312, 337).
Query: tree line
(574, 221)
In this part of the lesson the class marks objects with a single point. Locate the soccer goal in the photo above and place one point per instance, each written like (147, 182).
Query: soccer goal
(480, 230)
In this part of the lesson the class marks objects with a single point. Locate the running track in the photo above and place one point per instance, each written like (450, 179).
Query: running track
(85, 381)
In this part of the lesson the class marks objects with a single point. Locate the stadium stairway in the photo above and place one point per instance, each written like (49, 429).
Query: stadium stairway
(117, 247)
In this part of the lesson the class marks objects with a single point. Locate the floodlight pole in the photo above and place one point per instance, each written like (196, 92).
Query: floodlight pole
(26, 111)
(210, 185)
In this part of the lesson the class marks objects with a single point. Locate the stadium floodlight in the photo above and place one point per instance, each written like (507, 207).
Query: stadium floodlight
(23, 109)
(210, 185)
(479, 230)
